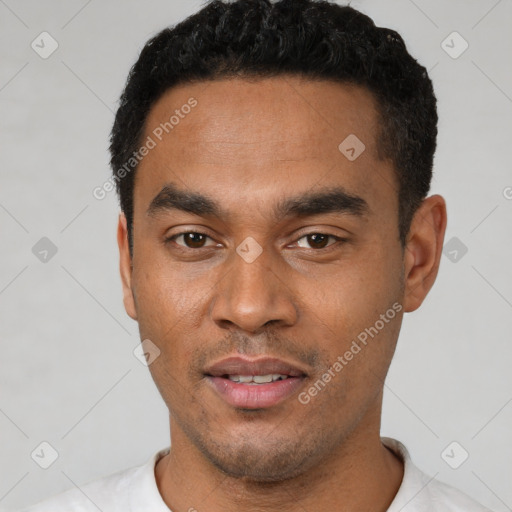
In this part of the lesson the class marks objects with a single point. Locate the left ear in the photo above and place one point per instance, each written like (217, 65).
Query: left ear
(423, 250)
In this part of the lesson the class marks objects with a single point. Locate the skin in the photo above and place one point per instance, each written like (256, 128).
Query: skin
(248, 145)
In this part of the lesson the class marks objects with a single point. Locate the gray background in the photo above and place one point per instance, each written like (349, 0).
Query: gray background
(68, 375)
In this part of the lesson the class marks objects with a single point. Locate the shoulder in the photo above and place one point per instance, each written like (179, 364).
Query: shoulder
(446, 498)
(114, 493)
(420, 492)
(90, 497)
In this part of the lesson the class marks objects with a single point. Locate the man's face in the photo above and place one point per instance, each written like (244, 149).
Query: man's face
(329, 267)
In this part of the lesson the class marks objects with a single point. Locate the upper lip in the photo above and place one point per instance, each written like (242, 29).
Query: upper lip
(237, 365)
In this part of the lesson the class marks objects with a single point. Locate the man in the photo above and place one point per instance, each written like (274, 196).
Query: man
(273, 163)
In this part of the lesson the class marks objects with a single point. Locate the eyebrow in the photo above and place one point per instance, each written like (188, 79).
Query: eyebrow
(327, 200)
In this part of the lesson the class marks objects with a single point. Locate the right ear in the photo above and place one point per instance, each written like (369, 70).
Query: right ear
(125, 267)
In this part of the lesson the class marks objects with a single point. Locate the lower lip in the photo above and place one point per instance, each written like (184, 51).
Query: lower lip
(255, 396)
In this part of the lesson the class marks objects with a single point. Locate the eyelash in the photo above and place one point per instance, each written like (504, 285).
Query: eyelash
(338, 240)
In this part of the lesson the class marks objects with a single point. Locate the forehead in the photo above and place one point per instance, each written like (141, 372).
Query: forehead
(254, 137)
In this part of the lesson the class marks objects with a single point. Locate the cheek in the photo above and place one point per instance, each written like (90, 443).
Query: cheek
(356, 292)
(375, 280)
(163, 304)
(170, 309)
(348, 314)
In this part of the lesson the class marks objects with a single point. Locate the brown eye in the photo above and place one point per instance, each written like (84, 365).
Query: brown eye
(316, 240)
(194, 240)
(190, 240)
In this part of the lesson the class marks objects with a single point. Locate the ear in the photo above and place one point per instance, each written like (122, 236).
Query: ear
(125, 267)
(423, 250)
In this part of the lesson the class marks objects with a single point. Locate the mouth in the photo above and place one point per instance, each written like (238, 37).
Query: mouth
(257, 379)
(254, 383)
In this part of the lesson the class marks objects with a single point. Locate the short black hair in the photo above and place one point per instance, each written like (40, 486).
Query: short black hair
(319, 40)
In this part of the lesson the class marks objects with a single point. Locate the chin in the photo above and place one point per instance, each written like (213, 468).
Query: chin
(262, 462)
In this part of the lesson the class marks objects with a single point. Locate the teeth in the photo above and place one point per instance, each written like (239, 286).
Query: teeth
(257, 379)
(262, 379)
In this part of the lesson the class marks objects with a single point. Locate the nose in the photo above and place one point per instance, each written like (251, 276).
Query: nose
(253, 295)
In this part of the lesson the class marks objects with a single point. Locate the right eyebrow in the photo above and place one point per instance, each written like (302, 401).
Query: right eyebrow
(171, 198)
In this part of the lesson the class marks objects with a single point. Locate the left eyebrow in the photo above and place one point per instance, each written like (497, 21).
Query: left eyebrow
(325, 200)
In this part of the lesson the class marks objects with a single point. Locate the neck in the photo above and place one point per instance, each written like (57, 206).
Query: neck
(361, 475)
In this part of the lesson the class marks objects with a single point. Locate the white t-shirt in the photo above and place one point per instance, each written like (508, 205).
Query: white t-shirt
(135, 490)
